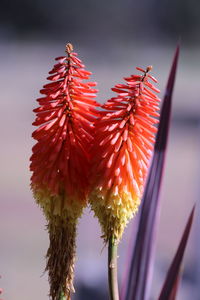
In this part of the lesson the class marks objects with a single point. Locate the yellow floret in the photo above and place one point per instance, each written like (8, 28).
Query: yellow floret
(114, 211)
(57, 205)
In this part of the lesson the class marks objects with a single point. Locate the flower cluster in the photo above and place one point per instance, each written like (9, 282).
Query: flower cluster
(124, 138)
(60, 161)
(60, 157)
(84, 155)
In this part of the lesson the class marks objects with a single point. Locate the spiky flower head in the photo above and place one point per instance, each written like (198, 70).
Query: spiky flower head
(60, 161)
(124, 138)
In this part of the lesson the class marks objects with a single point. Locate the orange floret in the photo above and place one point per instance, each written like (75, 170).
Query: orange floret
(124, 139)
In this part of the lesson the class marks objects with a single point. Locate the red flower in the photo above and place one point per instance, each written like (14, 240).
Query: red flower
(60, 162)
(65, 117)
(124, 141)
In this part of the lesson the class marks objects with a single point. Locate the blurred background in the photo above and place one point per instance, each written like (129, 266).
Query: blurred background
(111, 37)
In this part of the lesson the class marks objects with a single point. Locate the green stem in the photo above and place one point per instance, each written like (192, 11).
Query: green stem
(62, 296)
(112, 269)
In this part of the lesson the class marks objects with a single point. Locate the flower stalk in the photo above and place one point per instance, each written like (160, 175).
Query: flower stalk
(112, 269)
(63, 297)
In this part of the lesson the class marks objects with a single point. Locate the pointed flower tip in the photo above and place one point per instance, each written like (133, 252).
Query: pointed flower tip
(149, 68)
(69, 48)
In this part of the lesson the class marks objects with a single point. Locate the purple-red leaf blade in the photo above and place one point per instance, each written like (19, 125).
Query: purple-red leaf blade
(174, 289)
(139, 275)
(170, 285)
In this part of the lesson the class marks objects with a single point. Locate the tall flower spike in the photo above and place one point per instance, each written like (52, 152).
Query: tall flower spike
(60, 162)
(124, 138)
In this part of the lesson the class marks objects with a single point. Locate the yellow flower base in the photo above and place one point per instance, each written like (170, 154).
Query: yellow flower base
(113, 212)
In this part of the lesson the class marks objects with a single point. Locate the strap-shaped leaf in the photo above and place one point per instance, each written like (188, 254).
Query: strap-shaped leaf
(169, 289)
(141, 264)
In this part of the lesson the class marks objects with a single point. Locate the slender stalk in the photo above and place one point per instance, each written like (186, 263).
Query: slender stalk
(112, 269)
(62, 296)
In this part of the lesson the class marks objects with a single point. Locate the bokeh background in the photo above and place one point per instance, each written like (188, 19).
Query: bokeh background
(111, 37)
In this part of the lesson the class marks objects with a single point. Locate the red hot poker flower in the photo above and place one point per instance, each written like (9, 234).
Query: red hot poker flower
(123, 146)
(65, 116)
(60, 161)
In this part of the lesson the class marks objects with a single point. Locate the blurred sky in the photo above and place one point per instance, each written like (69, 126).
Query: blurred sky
(111, 37)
